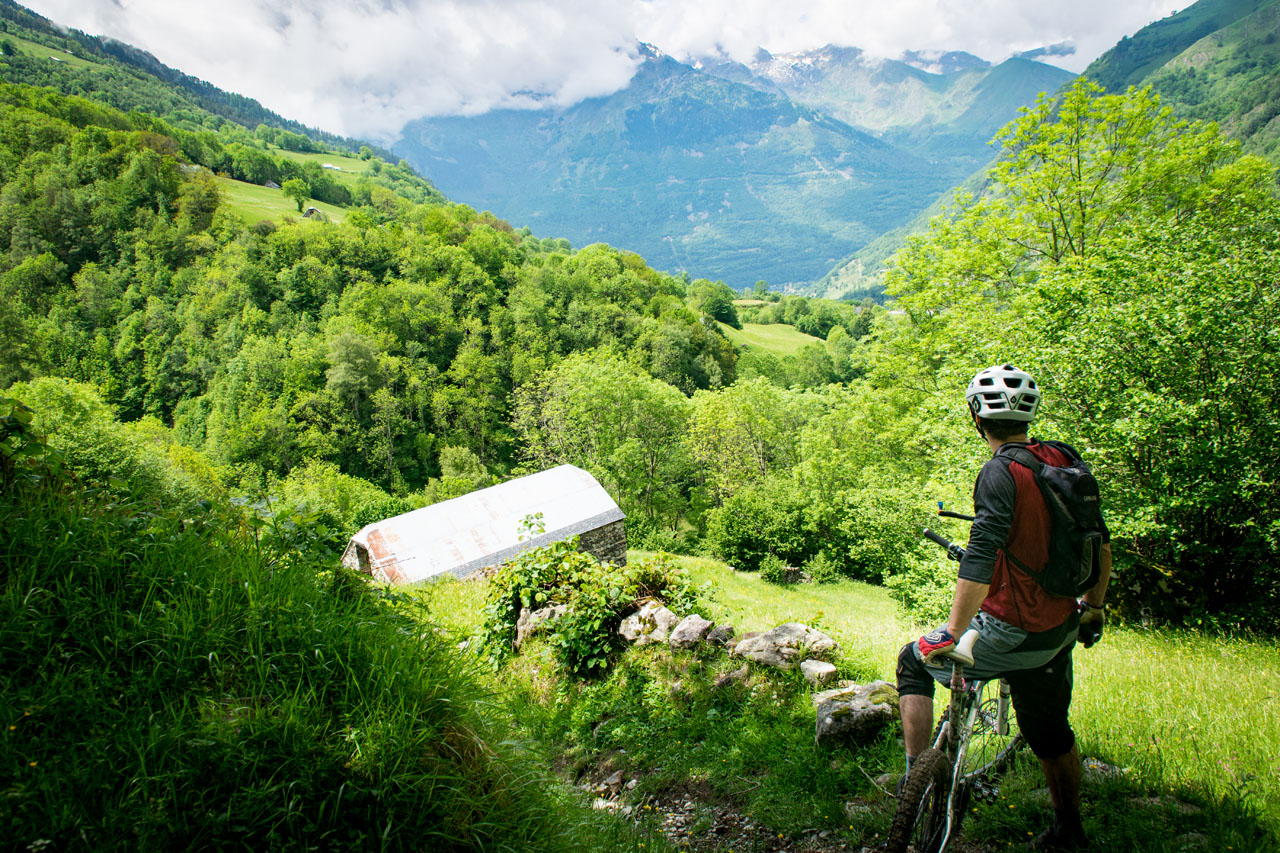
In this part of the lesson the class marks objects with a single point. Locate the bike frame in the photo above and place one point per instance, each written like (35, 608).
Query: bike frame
(953, 740)
(967, 713)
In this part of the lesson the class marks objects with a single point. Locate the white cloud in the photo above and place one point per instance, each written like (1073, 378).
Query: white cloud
(365, 67)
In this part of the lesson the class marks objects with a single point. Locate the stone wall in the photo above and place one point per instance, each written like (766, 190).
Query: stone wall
(606, 543)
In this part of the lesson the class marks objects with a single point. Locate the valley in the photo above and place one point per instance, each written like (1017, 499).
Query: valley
(202, 398)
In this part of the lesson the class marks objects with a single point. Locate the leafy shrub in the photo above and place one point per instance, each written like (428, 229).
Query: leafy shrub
(773, 570)
(99, 449)
(822, 568)
(759, 520)
(877, 531)
(925, 588)
(585, 639)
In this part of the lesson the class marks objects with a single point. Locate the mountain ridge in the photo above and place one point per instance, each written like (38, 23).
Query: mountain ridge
(711, 168)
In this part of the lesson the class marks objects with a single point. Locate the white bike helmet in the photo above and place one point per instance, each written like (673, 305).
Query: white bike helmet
(1003, 393)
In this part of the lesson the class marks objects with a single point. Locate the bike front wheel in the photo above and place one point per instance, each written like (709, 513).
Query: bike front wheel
(994, 743)
(921, 819)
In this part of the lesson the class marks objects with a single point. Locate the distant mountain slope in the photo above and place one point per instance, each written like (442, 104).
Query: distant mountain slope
(942, 106)
(732, 171)
(1135, 58)
(1230, 75)
(143, 93)
(1218, 60)
(693, 171)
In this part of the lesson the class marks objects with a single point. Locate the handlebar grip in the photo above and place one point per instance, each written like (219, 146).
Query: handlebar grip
(929, 534)
(946, 513)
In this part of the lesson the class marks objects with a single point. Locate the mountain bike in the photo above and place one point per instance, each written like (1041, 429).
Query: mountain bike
(974, 744)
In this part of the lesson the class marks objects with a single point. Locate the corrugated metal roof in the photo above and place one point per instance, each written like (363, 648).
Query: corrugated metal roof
(482, 529)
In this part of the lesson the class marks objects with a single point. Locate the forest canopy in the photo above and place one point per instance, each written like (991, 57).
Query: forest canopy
(419, 349)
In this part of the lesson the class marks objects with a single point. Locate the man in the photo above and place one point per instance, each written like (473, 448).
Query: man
(1025, 634)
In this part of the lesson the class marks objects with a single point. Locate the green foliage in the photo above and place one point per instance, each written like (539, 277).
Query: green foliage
(715, 300)
(174, 681)
(822, 569)
(1101, 264)
(773, 570)
(585, 639)
(759, 521)
(739, 435)
(595, 411)
(140, 460)
(24, 453)
(296, 189)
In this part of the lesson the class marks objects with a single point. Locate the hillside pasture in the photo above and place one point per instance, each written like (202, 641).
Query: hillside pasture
(32, 48)
(1183, 726)
(253, 203)
(774, 338)
(348, 171)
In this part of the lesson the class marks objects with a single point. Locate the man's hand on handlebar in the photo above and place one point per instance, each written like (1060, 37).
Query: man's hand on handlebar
(1092, 620)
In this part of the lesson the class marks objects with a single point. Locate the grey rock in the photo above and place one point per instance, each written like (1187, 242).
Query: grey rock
(817, 671)
(720, 635)
(785, 646)
(689, 632)
(1100, 769)
(841, 689)
(858, 715)
(1191, 841)
(532, 621)
(732, 647)
(652, 623)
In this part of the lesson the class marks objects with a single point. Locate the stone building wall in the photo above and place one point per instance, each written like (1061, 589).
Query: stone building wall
(606, 543)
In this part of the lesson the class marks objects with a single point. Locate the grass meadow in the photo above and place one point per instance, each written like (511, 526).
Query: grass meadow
(348, 171)
(775, 338)
(253, 203)
(1183, 728)
(53, 55)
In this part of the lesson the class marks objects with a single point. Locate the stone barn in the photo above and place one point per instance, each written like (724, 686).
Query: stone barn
(482, 529)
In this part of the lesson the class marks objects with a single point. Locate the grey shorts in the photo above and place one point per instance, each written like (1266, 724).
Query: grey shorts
(1003, 648)
(1037, 666)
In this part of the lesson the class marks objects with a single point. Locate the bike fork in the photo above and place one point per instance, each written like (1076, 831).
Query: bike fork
(957, 772)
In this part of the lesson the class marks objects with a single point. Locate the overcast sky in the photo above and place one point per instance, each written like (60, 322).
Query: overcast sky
(366, 67)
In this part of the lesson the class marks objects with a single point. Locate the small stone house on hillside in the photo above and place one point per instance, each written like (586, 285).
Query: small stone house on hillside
(482, 529)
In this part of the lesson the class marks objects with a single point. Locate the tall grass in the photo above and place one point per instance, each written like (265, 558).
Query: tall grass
(1189, 723)
(166, 685)
(1185, 712)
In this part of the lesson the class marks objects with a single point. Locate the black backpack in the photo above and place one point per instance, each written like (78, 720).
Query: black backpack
(1077, 531)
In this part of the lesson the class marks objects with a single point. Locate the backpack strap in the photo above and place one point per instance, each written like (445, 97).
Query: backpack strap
(1067, 451)
(1022, 456)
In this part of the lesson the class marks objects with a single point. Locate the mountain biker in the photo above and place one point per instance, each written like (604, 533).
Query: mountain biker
(1025, 634)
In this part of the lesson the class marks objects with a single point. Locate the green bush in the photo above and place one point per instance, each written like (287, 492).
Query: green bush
(822, 569)
(140, 458)
(773, 570)
(585, 639)
(757, 521)
(169, 683)
(925, 588)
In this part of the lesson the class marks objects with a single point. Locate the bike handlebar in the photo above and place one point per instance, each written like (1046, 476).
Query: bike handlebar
(946, 513)
(954, 551)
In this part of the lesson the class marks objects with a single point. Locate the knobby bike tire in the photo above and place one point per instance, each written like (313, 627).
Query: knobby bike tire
(921, 818)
